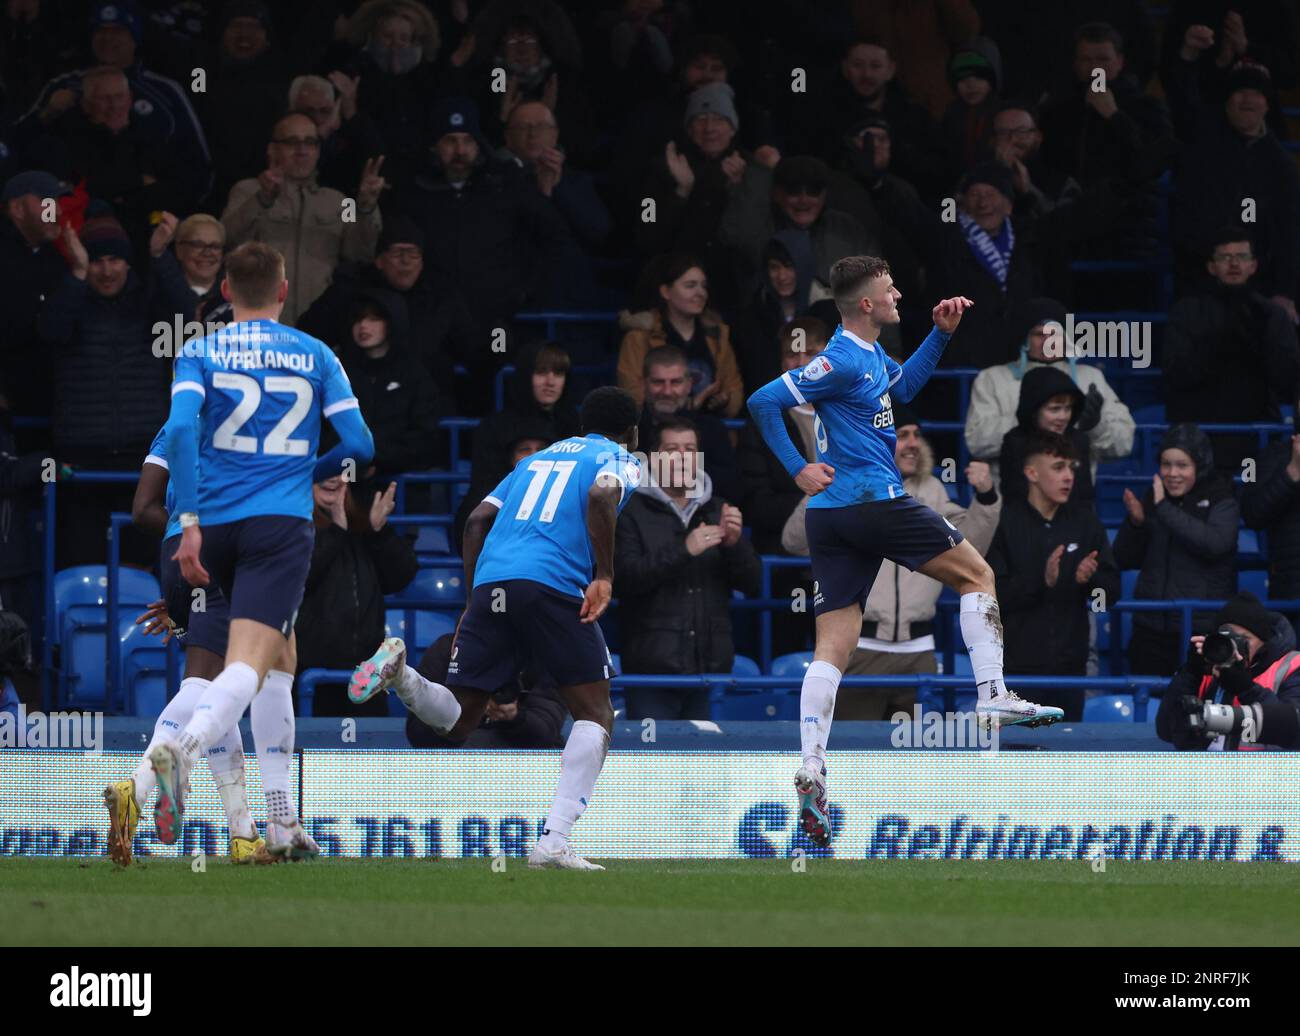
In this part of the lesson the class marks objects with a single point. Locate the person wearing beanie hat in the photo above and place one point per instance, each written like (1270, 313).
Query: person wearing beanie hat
(1253, 699)
(1182, 534)
(1040, 327)
(714, 99)
(974, 73)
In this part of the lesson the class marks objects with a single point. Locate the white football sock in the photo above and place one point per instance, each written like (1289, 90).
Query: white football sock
(431, 702)
(220, 708)
(171, 721)
(816, 707)
(981, 628)
(226, 761)
(273, 738)
(584, 755)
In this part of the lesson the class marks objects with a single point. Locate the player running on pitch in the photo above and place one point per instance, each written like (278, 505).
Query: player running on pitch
(204, 632)
(530, 548)
(859, 512)
(247, 403)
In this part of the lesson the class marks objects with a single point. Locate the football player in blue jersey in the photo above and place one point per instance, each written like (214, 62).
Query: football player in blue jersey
(242, 438)
(539, 559)
(859, 512)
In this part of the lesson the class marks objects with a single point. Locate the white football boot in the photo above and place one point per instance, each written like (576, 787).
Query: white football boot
(563, 858)
(172, 768)
(1008, 709)
(287, 842)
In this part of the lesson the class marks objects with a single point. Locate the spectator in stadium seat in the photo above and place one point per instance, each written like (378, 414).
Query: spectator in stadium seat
(783, 291)
(491, 241)
(898, 620)
(692, 184)
(348, 135)
(770, 493)
(678, 554)
(668, 396)
(1050, 556)
(161, 106)
(200, 246)
(1271, 503)
(398, 76)
(680, 318)
(538, 407)
(247, 79)
(996, 391)
(1267, 681)
(110, 388)
(33, 270)
(1230, 354)
(1182, 534)
(358, 557)
(286, 207)
(975, 72)
(397, 396)
(103, 142)
(991, 258)
(792, 197)
(1017, 143)
(1049, 402)
(1115, 141)
(527, 712)
(864, 85)
(29, 50)
(1232, 155)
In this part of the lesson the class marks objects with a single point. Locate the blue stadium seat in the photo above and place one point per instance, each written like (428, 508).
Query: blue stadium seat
(424, 627)
(1108, 708)
(1255, 580)
(432, 539)
(1128, 583)
(961, 664)
(434, 584)
(1153, 413)
(763, 705)
(743, 666)
(793, 665)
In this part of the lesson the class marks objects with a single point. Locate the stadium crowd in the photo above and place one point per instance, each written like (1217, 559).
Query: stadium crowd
(431, 169)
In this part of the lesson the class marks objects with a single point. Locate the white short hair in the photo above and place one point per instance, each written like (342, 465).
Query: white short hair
(301, 83)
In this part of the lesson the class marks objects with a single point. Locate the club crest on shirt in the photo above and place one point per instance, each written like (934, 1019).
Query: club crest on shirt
(818, 368)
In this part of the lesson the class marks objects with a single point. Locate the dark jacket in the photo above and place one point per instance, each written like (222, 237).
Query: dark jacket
(31, 277)
(770, 493)
(758, 329)
(673, 608)
(399, 108)
(341, 620)
(1046, 628)
(242, 102)
(1185, 547)
(1231, 686)
(20, 482)
(522, 418)
(1036, 388)
(397, 396)
(1272, 503)
(110, 390)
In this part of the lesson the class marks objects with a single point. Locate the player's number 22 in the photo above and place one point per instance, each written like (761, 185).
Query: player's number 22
(277, 441)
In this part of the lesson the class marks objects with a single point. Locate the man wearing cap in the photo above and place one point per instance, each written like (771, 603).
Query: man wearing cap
(995, 392)
(1232, 155)
(491, 238)
(898, 618)
(160, 106)
(1254, 699)
(111, 386)
(33, 270)
(309, 225)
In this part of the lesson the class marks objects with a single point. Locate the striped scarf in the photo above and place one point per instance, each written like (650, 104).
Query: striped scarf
(993, 253)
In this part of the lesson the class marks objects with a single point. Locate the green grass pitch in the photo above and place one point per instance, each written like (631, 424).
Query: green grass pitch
(713, 903)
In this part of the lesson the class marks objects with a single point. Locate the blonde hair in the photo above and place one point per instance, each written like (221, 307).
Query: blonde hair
(200, 219)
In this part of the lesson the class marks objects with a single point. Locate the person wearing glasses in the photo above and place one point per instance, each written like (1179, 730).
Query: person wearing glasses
(313, 227)
(200, 247)
(1017, 143)
(1231, 354)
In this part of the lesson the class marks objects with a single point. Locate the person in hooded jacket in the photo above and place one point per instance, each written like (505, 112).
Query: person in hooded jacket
(397, 397)
(995, 392)
(1258, 695)
(678, 555)
(1049, 402)
(1182, 534)
(538, 405)
(357, 558)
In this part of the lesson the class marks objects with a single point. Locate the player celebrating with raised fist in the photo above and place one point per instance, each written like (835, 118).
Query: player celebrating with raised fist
(859, 512)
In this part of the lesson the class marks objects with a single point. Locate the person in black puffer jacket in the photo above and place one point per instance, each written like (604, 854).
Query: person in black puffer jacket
(357, 559)
(678, 554)
(1182, 534)
(1272, 503)
(397, 396)
(1041, 390)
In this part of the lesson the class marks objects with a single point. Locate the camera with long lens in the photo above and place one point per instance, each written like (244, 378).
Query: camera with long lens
(1221, 646)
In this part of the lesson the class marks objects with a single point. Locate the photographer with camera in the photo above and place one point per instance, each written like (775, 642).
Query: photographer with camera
(1240, 685)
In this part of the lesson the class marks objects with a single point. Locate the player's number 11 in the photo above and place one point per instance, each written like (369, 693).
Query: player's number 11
(541, 470)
